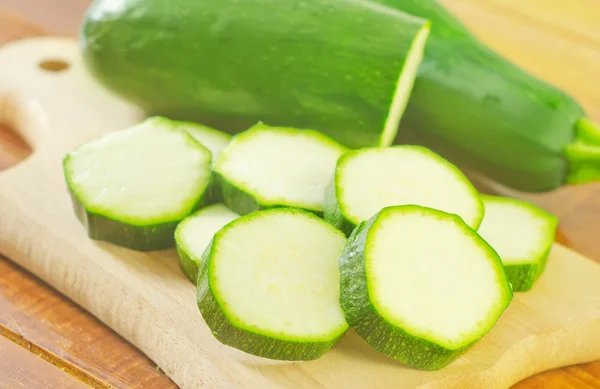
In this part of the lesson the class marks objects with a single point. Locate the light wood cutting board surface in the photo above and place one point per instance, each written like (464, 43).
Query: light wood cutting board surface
(64, 258)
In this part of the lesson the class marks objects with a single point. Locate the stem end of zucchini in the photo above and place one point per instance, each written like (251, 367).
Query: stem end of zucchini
(583, 154)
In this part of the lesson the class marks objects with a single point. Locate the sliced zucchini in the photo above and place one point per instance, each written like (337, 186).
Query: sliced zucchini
(370, 179)
(132, 187)
(269, 285)
(421, 286)
(267, 167)
(522, 234)
(215, 141)
(212, 139)
(194, 233)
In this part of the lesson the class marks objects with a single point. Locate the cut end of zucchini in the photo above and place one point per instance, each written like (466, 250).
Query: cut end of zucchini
(267, 166)
(583, 154)
(194, 234)
(137, 183)
(420, 286)
(522, 234)
(269, 285)
(368, 180)
(405, 85)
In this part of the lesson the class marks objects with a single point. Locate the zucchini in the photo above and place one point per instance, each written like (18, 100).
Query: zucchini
(265, 167)
(269, 285)
(231, 63)
(482, 112)
(522, 234)
(195, 233)
(421, 286)
(370, 179)
(212, 139)
(293, 64)
(132, 187)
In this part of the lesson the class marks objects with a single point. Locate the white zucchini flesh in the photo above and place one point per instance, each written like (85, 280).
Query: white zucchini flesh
(267, 166)
(132, 187)
(522, 234)
(421, 286)
(405, 85)
(194, 234)
(214, 140)
(370, 179)
(269, 284)
(211, 138)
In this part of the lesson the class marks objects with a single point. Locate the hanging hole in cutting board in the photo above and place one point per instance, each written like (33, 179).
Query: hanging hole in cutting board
(54, 65)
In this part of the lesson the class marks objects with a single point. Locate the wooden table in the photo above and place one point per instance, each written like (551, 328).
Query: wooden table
(47, 341)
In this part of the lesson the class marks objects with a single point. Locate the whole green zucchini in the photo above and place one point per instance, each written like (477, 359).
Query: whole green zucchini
(481, 111)
(342, 67)
(331, 66)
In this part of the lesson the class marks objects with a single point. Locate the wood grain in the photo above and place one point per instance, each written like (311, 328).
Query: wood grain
(21, 369)
(39, 318)
(584, 199)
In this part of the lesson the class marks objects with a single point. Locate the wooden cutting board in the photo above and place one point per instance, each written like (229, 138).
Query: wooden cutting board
(146, 298)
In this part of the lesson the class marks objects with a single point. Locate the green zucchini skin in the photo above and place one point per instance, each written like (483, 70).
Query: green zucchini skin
(523, 276)
(482, 112)
(139, 238)
(230, 63)
(363, 317)
(235, 198)
(189, 266)
(332, 212)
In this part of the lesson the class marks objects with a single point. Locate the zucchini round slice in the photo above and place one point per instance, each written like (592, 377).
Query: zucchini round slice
(370, 179)
(522, 234)
(194, 233)
(212, 139)
(421, 286)
(132, 187)
(215, 141)
(266, 167)
(269, 285)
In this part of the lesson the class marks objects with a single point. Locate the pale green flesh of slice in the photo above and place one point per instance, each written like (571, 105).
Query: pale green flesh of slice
(213, 140)
(143, 175)
(277, 275)
(196, 232)
(372, 179)
(429, 278)
(404, 86)
(281, 167)
(519, 233)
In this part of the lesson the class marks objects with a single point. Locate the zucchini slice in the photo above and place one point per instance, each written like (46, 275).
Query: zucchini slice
(132, 187)
(212, 139)
(194, 233)
(421, 286)
(522, 234)
(215, 141)
(269, 285)
(370, 179)
(266, 167)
